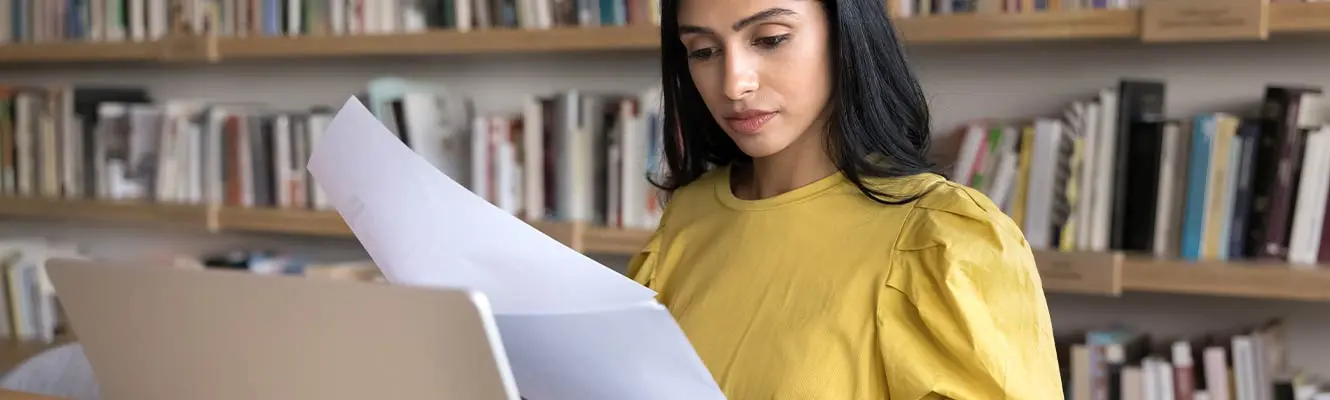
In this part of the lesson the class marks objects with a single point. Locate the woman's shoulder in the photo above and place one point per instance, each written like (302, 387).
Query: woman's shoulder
(956, 232)
(949, 214)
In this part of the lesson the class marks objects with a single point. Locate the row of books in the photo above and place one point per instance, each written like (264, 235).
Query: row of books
(1250, 363)
(39, 21)
(925, 8)
(569, 156)
(572, 156)
(1114, 174)
(29, 310)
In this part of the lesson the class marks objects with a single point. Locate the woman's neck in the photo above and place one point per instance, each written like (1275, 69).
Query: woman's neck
(798, 165)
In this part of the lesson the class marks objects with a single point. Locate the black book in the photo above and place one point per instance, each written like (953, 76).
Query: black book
(1140, 126)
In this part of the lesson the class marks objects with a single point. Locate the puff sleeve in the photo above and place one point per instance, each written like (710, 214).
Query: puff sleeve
(963, 313)
(642, 266)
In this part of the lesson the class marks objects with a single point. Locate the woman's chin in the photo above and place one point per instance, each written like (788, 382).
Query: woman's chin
(757, 148)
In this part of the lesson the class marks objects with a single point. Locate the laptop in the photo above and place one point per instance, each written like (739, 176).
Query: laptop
(167, 333)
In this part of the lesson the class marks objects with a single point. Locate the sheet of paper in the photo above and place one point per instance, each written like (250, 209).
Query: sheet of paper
(637, 353)
(423, 228)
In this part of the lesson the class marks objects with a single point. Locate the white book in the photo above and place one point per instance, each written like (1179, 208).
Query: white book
(281, 156)
(1164, 373)
(1215, 361)
(1040, 189)
(138, 27)
(1106, 161)
(337, 17)
(318, 123)
(533, 156)
(462, 11)
(633, 168)
(1133, 383)
(213, 187)
(1149, 379)
(294, 22)
(971, 147)
(1244, 369)
(1169, 190)
(480, 157)
(481, 13)
(1089, 172)
(390, 17)
(1309, 208)
(157, 19)
(1228, 193)
(1004, 148)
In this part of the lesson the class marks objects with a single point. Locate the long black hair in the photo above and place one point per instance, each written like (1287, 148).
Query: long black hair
(879, 117)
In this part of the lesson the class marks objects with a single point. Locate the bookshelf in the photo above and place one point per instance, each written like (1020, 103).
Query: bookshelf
(187, 217)
(955, 28)
(1107, 274)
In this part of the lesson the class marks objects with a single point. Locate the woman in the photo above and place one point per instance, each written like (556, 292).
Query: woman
(806, 250)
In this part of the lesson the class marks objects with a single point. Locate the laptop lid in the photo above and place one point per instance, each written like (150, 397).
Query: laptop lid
(166, 333)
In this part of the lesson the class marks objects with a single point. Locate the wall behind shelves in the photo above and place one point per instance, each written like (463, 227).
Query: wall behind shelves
(963, 82)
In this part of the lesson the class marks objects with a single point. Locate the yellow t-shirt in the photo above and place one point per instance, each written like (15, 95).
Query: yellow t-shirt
(822, 293)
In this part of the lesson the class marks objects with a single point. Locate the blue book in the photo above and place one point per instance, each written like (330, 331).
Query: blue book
(1250, 132)
(1198, 171)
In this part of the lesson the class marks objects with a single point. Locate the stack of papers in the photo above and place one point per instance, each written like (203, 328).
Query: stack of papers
(572, 328)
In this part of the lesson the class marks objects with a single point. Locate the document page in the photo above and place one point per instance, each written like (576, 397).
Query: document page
(573, 329)
(423, 228)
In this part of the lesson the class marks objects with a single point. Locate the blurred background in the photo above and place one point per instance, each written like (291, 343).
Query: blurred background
(175, 133)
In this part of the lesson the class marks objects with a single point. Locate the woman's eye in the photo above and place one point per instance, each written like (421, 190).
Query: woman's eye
(702, 54)
(771, 41)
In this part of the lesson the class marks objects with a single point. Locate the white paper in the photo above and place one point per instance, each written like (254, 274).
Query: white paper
(634, 353)
(572, 328)
(422, 228)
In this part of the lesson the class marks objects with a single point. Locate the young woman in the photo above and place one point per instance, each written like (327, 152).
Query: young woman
(806, 250)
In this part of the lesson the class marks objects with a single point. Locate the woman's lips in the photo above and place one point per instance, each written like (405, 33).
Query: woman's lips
(749, 122)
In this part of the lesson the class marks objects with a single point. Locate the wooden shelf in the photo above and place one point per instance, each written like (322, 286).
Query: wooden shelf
(1232, 279)
(620, 38)
(1299, 17)
(1043, 26)
(77, 52)
(959, 28)
(446, 42)
(128, 213)
(277, 220)
(330, 224)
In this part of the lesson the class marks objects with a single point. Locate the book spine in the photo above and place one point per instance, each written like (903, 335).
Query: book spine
(1139, 101)
(1289, 167)
(1250, 132)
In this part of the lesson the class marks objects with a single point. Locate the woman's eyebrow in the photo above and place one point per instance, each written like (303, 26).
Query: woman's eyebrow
(739, 25)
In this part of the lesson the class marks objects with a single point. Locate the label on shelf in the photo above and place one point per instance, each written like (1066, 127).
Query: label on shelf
(1080, 272)
(1205, 20)
(188, 48)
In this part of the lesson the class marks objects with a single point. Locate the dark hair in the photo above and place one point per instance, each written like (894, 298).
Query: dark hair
(879, 116)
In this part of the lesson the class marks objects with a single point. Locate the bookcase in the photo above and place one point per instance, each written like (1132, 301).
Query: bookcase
(981, 65)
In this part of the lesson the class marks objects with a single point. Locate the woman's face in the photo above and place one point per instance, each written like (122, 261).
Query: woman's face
(762, 66)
